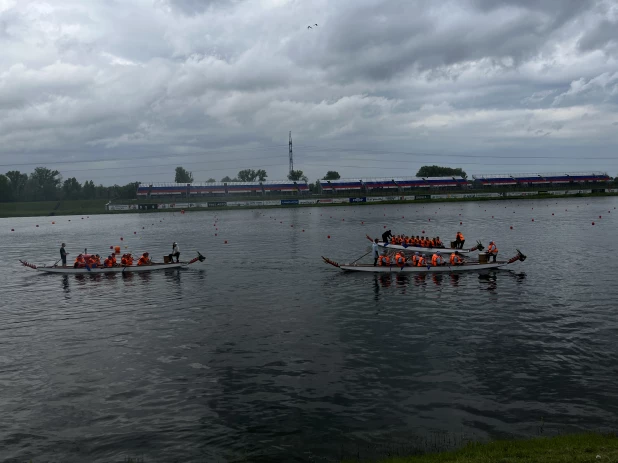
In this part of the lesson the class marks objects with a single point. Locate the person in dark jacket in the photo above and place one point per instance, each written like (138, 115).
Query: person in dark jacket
(63, 255)
(386, 235)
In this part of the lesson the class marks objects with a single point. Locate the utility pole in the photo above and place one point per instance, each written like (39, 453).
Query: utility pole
(291, 154)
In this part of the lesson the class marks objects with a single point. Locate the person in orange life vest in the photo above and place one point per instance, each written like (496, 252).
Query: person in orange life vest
(113, 259)
(97, 260)
(432, 243)
(144, 260)
(400, 260)
(492, 250)
(438, 242)
(455, 259)
(107, 263)
(384, 260)
(421, 262)
(459, 240)
(437, 259)
(79, 261)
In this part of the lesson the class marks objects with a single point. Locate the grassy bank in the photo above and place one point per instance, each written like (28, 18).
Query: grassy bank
(82, 207)
(50, 208)
(577, 448)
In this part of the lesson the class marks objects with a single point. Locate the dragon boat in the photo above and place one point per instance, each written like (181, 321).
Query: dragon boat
(117, 269)
(407, 248)
(466, 267)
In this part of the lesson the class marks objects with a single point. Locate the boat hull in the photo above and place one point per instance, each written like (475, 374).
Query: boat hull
(440, 269)
(94, 271)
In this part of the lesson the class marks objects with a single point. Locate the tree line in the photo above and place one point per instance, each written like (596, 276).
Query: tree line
(45, 184)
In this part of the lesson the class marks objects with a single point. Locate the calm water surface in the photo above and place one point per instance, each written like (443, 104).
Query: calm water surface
(265, 353)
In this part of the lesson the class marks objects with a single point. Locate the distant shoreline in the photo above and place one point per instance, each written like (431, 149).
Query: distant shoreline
(50, 209)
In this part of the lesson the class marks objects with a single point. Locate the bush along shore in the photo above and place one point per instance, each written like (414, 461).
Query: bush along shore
(573, 448)
(91, 207)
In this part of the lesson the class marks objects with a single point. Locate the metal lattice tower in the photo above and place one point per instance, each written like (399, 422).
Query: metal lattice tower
(291, 154)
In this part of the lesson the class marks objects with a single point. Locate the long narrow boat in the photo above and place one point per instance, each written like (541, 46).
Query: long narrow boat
(118, 269)
(466, 267)
(398, 247)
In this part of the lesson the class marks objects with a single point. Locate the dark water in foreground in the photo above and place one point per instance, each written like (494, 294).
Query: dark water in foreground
(266, 353)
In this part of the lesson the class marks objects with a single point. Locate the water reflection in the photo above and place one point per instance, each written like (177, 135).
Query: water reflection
(490, 279)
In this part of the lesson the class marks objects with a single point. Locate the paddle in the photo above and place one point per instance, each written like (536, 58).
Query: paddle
(360, 257)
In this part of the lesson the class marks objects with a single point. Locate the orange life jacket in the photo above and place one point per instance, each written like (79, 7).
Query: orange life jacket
(455, 259)
(421, 262)
(143, 260)
(492, 249)
(385, 260)
(460, 236)
(400, 259)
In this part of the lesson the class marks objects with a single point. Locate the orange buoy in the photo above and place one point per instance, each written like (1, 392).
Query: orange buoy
(117, 249)
(53, 223)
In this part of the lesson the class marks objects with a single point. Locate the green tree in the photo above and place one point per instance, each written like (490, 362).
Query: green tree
(227, 179)
(18, 184)
(437, 171)
(45, 184)
(332, 175)
(211, 180)
(297, 175)
(183, 176)
(250, 175)
(88, 190)
(71, 188)
(6, 194)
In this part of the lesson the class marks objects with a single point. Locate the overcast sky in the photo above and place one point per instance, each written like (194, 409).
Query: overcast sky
(377, 89)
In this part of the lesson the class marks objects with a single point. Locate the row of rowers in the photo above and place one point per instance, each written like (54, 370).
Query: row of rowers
(418, 260)
(422, 241)
(94, 260)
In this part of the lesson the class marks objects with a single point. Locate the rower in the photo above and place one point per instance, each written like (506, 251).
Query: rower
(492, 250)
(437, 259)
(79, 261)
(400, 259)
(439, 243)
(414, 259)
(459, 240)
(421, 262)
(384, 260)
(108, 262)
(456, 259)
(113, 259)
(144, 260)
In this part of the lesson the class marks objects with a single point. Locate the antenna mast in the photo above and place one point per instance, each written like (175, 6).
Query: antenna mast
(291, 154)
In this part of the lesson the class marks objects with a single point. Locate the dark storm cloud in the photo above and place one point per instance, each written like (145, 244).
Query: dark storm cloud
(208, 82)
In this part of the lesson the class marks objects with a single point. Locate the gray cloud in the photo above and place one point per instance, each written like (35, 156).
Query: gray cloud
(216, 85)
